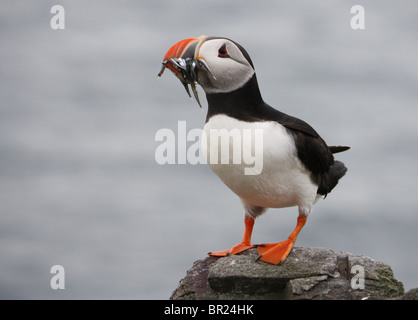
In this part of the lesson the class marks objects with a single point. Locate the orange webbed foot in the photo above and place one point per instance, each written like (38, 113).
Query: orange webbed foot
(275, 253)
(241, 247)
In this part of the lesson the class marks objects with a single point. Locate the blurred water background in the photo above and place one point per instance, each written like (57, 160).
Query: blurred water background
(79, 109)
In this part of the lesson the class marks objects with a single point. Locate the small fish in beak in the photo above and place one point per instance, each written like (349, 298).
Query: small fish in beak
(185, 69)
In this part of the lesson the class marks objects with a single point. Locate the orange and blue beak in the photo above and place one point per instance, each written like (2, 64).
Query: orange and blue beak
(184, 61)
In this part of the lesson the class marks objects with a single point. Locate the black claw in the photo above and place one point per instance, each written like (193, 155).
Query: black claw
(258, 258)
(228, 254)
(259, 245)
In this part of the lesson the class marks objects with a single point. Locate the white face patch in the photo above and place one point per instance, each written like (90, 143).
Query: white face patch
(232, 70)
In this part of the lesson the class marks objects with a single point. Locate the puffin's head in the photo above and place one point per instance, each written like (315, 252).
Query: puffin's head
(219, 65)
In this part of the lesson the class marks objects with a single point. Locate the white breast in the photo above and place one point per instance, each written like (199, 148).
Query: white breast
(282, 181)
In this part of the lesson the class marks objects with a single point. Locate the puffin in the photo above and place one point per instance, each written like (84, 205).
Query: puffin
(298, 167)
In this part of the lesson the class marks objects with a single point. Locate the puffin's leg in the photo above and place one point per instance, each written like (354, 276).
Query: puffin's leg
(276, 253)
(244, 245)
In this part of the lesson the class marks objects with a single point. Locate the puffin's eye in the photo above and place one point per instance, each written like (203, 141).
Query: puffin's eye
(222, 52)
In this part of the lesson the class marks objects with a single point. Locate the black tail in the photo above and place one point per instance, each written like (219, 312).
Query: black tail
(330, 180)
(337, 149)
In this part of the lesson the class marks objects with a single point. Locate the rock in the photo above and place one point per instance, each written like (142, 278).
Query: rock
(410, 295)
(307, 273)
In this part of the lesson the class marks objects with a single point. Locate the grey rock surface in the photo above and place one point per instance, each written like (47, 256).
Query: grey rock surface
(307, 273)
(410, 295)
